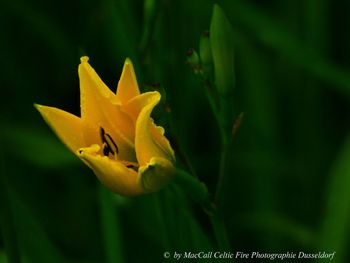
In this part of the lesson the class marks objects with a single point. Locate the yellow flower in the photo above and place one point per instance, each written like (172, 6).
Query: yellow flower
(115, 135)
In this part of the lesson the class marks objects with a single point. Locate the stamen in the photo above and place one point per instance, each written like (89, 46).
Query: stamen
(105, 149)
(102, 134)
(109, 141)
(108, 144)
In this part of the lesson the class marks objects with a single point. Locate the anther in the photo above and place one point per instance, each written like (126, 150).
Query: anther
(105, 149)
(109, 141)
(108, 144)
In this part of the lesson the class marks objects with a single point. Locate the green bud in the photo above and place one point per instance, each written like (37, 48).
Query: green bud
(205, 49)
(193, 60)
(149, 8)
(222, 50)
(149, 16)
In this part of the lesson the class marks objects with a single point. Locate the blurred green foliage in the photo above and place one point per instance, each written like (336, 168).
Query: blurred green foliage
(287, 189)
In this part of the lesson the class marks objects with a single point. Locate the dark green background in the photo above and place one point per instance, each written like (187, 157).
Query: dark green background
(289, 180)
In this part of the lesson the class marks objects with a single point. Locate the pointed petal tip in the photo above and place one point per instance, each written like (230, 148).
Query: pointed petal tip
(40, 108)
(128, 61)
(37, 106)
(127, 85)
(84, 59)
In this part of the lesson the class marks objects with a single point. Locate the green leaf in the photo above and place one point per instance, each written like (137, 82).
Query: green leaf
(3, 257)
(223, 52)
(37, 147)
(336, 224)
(110, 227)
(276, 37)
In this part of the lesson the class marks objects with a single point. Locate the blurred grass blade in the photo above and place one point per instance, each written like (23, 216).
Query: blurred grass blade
(34, 145)
(3, 258)
(149, 17)
(277, 226)
(317, 24)
(7, 227)
(336, 225)
(121, 41)
(110, 227)
(222, 51)
(33, 241)
(274, 36)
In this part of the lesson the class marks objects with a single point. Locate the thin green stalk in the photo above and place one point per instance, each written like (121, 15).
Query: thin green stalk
(220, 232)
(222, 171)
(222, 116)
(199, 193)
(216, 219)
(209, 92)
(197, 190)
(226, 123)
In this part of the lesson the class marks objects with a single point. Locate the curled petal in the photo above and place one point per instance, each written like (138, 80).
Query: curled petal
(112, 173)
(149, 139)
(158, 172)
(67, 126)
(134, 106)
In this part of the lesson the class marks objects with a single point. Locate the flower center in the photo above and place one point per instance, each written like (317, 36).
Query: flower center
(109, 146)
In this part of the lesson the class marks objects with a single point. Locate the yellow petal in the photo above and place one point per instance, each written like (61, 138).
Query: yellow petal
(127, 86)
(67, 126)
(149, 139)
(90, 86)
(156, 174)
(112, 173)
(99, 109)
(134, 106)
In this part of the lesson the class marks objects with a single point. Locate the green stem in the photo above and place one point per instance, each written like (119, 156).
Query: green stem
(222, 113)
(222, 171)
(199, 193)
(197, 190)
(220, 232)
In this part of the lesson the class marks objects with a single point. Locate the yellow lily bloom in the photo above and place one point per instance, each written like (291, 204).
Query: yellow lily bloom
(115, 135)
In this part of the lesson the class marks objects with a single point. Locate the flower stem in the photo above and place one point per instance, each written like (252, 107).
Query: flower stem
(199, 193)
(197, 190)
(222, 171)
(220, 232)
